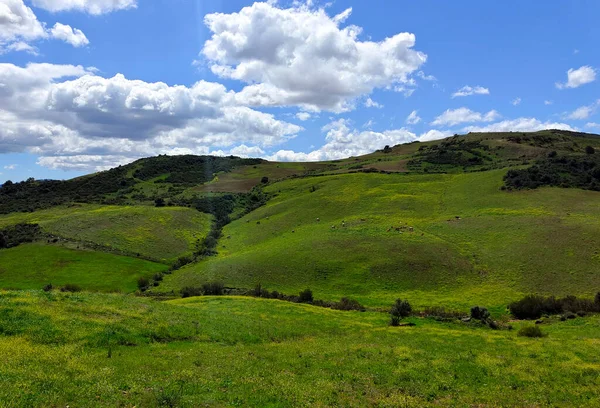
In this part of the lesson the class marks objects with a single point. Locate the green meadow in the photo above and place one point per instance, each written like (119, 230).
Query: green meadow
(114, 350)
(162, 234)
(470, 243)
(433, 223)
(31, 266)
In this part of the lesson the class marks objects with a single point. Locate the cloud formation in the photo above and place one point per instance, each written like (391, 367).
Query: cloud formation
(413, 118)
(584, 112)
(274, 50)
(75, 119)
(578, 77)
(453, 117)
(470, 90)
(95, 7)
(19, 26)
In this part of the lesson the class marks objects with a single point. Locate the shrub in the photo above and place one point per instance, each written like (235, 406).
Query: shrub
(590, 150)
(530, 331)
(3, 241)
(534, 306)
(259, 291)
(348, 304)
(479, 313)
(213, 288)
(395, 321)
(143, 283)
(48, 287)
(159, 202)
(400, 310)
(190, 291)
(387, 149)
(264, 180)
(69, 287)
(306, 296)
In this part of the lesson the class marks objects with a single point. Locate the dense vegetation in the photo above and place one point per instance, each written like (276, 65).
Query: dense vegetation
(19, 234)
(115, 186)
(187, 169)
(561, 171)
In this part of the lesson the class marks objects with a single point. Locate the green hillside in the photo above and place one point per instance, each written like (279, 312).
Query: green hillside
(161, 234)
(470, 241)
(478, 219)
(114, 350)
(32, 266)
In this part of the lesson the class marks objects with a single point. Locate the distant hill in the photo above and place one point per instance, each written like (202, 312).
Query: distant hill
(482, 217)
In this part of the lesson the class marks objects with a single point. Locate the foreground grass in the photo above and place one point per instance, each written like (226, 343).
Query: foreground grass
(161, 234)
(32, 266)
(252, 352)
(502, 246)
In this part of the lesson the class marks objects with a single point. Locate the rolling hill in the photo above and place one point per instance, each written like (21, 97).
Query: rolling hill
(477, 219)
(439, 222)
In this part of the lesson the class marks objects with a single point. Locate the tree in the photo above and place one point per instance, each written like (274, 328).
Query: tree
(306, 296)
(387, 149)
(143, 283)
(401, 309)
(590, 150)
(264, 180)
(159, 202)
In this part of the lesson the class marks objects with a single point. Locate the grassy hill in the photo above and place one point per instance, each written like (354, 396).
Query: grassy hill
(161, 234)
(32, 266)
(470, 241)
(113, 350)
(479, 219)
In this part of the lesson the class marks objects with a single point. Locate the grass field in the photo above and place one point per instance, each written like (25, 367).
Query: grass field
(162, 234)
(259, 353)
(32, 266)
(504, 244)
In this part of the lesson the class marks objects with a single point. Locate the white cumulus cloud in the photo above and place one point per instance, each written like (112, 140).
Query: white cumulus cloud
(75, 37)
(89, 6)
(516, 101)
(471, 90)
(584, 112)
(453, 117)
(413, 118)
(519, 125)
(74, 119)
(578, 77)
(300, 56)
(19, 27)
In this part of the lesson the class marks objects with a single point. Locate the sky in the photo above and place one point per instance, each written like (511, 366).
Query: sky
(86, 85)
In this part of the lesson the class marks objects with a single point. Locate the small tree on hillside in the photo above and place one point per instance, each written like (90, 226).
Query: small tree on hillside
(387, 149)
(590, 150)
(306, 296)
(143, 283)
(159, 202)
(264, 180)
(400, 310)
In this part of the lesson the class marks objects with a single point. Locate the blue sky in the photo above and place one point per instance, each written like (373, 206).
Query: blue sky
(89, 84)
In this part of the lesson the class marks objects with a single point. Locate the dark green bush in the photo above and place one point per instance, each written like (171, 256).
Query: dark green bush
(535, 306)
(48, 287)
(213, 288)
(306, 296)
(143, 283)
(530, 331)
(348, 304)
(69, 287)
(479, 313)
(190, 291)
(400, 309)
